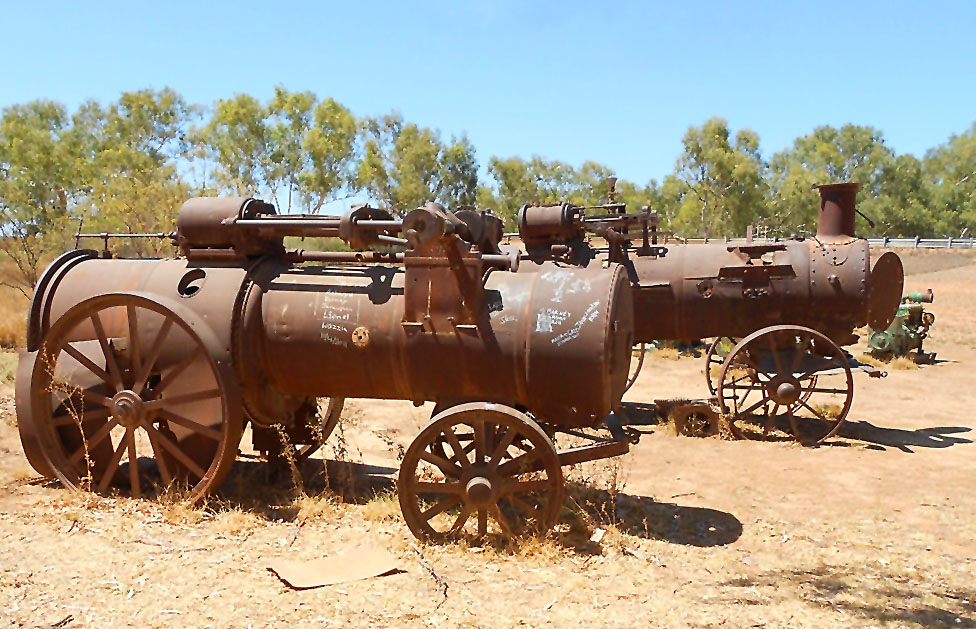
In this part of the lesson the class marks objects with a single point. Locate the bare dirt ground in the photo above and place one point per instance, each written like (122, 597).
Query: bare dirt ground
(878, 528)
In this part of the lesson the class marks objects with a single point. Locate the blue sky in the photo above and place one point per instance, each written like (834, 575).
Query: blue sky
(617, 83)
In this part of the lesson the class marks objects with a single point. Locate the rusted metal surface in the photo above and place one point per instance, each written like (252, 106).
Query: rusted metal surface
(687, 292)
(167, 360)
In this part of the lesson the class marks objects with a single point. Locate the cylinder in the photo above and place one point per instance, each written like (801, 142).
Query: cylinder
(556, 342)
(703, 290)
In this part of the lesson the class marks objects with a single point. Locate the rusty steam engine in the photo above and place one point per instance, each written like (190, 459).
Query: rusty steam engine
(141, 374)
(787, 305)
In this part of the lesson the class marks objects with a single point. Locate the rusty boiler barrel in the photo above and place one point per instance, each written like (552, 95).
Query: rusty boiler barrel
(556, 342)
(702, 290)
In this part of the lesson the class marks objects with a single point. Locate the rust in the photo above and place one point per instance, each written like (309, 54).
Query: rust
(694, 291)
(793, 300)
(168, 360)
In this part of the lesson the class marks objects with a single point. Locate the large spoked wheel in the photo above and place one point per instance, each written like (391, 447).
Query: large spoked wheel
(479, 469)
(126, 394)
(789, 379)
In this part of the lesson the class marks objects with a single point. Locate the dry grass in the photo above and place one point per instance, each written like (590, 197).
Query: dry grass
(903, 363)
(666, 353)
(13, 318)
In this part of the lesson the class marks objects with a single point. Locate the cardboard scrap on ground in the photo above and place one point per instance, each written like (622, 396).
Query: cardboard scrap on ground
(352, 565)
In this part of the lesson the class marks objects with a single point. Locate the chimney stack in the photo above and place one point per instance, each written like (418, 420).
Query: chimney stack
(837, 208)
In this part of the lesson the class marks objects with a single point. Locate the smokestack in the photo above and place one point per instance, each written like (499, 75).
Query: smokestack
(837, 208)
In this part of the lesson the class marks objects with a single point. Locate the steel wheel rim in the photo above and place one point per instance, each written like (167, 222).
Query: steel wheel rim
(140, 408)
(507, 480)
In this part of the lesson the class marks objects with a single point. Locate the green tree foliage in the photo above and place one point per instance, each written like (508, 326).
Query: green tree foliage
(39, 175)
(133, 183)
(952, 172)
(851, 153)
(128, 165)
(539, 181)
(403, 166)
(719, 183)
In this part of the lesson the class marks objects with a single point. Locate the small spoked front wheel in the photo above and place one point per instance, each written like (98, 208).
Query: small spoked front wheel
(478, 469)
(786, 379)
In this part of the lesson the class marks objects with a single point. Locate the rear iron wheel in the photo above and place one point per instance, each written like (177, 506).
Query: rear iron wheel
(126, 394)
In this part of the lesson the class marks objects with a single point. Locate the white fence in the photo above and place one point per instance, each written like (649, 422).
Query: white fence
(912, 243)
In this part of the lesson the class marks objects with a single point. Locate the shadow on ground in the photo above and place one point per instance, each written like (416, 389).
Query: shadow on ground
(885, 598)
(904, 440)
(642, 516)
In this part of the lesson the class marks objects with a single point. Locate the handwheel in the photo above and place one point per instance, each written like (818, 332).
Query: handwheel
(801, 380)
(506, 478)
(126, 393)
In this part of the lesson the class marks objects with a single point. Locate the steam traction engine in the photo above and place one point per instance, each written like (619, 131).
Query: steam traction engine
(141, 374)
(789, 305)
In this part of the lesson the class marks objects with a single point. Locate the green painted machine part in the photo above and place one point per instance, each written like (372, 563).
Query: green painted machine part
(907, 331)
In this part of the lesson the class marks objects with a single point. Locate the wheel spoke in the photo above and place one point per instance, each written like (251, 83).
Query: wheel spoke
(199, 396)
(440, 507)
(160, 456)
(150, 361)
(179, 420)
(525, 487)
(754, 406)
(135, 352)
(87, 363)
(112, 468)
(774, 350)
(113, 366)
(445, 466)
(482, 522)
(821, 390)
(175, 373)
(175, 451)
(797, 358)
(89, 444)
(466, 511)
(91, 396)
(459, 455)
(74, 420)
(520, 464)
(819, 415)
(438, 488)
(793, 425)
(528, 509)
(770, 422)
(503, 522)
(480, 444)
(130, 437)
(502, 447)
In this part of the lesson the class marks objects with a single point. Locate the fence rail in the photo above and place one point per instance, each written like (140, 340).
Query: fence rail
(912, 243)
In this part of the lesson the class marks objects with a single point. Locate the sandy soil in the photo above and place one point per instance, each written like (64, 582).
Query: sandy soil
(877, 528)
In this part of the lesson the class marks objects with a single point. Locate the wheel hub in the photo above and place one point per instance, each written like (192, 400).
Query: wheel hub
(479, 491)
(785, 391)
(128, 408)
